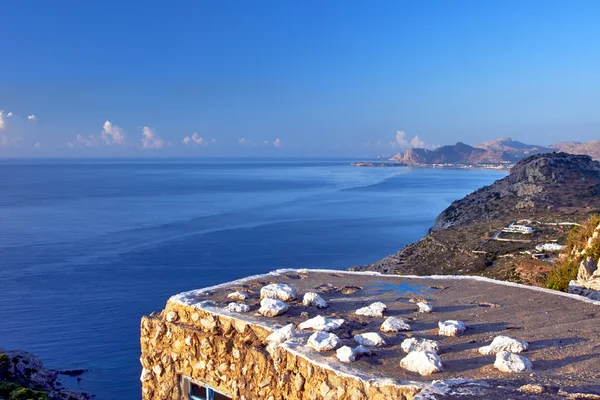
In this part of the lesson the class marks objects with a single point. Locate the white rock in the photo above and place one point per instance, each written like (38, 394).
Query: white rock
(320, 323)
(345, 354)
(451, 328)
(237, 307)
(361, 350)
(416, 344)
(504, 343)
(586, 269)
(313, 299)
(237, 296)
(172, 316)
(279, 291)
(323, 341)
(373, 310)
(424, 307)
(508, 362)
(369, 339)
(146, 375)
(394, 324)
(422, 362)
(282, 334)
(272, 307)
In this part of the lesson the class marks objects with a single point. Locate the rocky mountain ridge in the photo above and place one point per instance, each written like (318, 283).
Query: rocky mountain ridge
(498, 151)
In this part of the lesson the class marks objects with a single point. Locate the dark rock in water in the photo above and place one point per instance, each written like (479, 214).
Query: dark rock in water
(25, 370)
(72, 372)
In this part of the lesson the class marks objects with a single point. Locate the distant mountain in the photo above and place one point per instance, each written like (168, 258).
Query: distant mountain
(512, 149)
(591, 149)
(501, 150)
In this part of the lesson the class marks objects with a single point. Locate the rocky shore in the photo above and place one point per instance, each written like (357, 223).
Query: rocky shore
(24, 377)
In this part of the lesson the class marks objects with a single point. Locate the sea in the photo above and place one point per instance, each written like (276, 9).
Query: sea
(87, 247)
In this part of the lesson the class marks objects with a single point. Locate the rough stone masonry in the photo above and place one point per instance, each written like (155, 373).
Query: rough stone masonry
(199, 339)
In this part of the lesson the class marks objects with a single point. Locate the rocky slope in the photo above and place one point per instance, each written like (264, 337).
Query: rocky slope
(549, 187)
(538, 183)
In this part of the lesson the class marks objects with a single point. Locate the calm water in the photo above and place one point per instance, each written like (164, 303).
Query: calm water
(88, 247)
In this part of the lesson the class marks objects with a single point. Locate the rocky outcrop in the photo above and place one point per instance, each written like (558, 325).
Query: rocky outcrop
(25, 373)
(539, 182)
(588, 275)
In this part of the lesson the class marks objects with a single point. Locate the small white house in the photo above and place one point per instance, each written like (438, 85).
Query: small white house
(513, 228)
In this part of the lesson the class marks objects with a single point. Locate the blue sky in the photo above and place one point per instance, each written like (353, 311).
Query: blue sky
(293, 78)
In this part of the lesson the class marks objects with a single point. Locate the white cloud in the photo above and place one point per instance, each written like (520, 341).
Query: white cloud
(196, 140)
(38, 145)
(32, 117)
(87, 141)
(277, 143)
(150, 139)
(246, 142)
(418, 143)
(13, 129)
(401, 139)
(112, 134)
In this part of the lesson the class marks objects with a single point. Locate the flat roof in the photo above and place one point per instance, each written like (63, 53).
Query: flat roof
(563, 330)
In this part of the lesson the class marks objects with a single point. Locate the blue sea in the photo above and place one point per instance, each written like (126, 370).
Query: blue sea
(89, 246)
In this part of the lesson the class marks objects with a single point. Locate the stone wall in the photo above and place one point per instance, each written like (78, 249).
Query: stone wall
(231, 356)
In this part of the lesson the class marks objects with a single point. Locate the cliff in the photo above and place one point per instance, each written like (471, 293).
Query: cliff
(555, 189)
(538, 183)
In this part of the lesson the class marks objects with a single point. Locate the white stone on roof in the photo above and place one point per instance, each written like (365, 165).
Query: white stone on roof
(424, 307)
(348, 354)
(237, 307)
(451, 328)
(323, 341)
(345, 354)
(504, 343)
(282, 334)
(508, 362)
(237, 296)
(394, 324)
(369, 339)
(373, 310)
(422, 362)
(272, 307)
(417, 344)
(314, 299)
(279, 291)
(320, 323)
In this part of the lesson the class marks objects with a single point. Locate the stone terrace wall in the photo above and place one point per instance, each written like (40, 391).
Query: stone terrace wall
(231, 356)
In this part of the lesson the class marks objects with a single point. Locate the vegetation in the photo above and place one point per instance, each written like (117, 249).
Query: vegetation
(567, 266)
(12, 388)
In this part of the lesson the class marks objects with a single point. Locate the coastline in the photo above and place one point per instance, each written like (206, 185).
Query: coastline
(503, 167)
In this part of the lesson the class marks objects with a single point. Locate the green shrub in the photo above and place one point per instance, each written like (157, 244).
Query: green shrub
(563, 272)
(6, 388)
(4, 366)
(27, 394)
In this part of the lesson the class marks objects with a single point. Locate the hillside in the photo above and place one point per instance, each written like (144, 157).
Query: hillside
(591, 149)
(555, 190)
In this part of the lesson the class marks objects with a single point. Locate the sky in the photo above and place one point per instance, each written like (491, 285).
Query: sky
(293, 78)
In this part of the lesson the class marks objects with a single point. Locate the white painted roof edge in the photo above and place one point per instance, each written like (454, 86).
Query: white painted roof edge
(183, 297)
